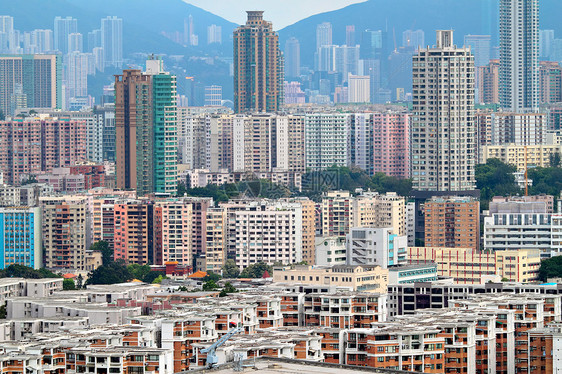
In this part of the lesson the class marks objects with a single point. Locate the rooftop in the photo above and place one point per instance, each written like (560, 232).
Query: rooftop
(286, 366)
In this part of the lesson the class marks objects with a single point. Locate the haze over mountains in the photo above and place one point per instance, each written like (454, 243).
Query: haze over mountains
(144, 20)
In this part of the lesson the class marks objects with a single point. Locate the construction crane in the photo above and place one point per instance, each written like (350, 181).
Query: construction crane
(212, 358)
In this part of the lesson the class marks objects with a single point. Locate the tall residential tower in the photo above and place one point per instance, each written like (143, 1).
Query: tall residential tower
(146, 129)
(519, 55)
(258, 66)
(443, 132)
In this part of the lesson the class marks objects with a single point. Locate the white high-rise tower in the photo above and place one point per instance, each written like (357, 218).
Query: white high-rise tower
(112, 41)
(519, 55)
(443, 145)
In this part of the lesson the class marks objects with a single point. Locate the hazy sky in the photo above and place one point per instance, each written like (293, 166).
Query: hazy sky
(281, 12)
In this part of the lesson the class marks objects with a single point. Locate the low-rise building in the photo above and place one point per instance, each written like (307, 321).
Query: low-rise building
(354, 278)
(521, 156)
(372, 246)
(423, 271)
(330, 251)
(468, 266)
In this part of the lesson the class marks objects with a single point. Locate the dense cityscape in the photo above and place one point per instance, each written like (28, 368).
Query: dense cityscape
(331, 197)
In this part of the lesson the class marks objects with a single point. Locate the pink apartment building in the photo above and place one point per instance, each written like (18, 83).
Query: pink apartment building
(391, 143)
(31, 146)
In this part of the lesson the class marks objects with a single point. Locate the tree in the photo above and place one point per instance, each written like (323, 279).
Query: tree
(550, 268)
(211, 277)
(545, 180)
(228, 288)
(256, 270)
(29, 180)
(68, 284)
(21, 271)
(153, 276)
(230, 269)
(79, 281)
(140, 271)
(106, 252)
(114, 272)
(3, 311)
(555, 160)
(495, 178)
(158, 279)
(210, 285)
(181, 189)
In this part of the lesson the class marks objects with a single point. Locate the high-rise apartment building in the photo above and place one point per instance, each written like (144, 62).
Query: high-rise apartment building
(101, 136)
(546, 38)
(103, 219)
(519, 55)
(65, 232)
(413, 38)
(323, 34)
(40, 41)
(134, 131)
(452, 222)
(480, 48)
(350, 35)
(146, 129)
(37, 77)
(20, 237)
(361, 141)
(112, 41)
(214, 237)
(134, 232)
(261, 231)
(518, 128)
(77, 67)
(326, 140)
(336, 213)
(75, 42)
(371, 209)
(359, 88)
(63, 28)
(391, 143)
(308, 228)
(172, 227)
(292, 58)
(258, 66)
(214, 34)
(31, 146)
(219, 143)
(213, 95)
(550, 82)
(443, 132)
(488, 83)
(20, 149)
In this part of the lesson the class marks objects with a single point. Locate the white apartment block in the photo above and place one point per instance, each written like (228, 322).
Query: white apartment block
(371, 209)
(411, 223)
(359, 90)
(519, 55)
(503, 231)
(326, 140)
(330, 251)
(361, 141)
(518, 128)
(370, 246)
(264, 231)
(443, 132)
